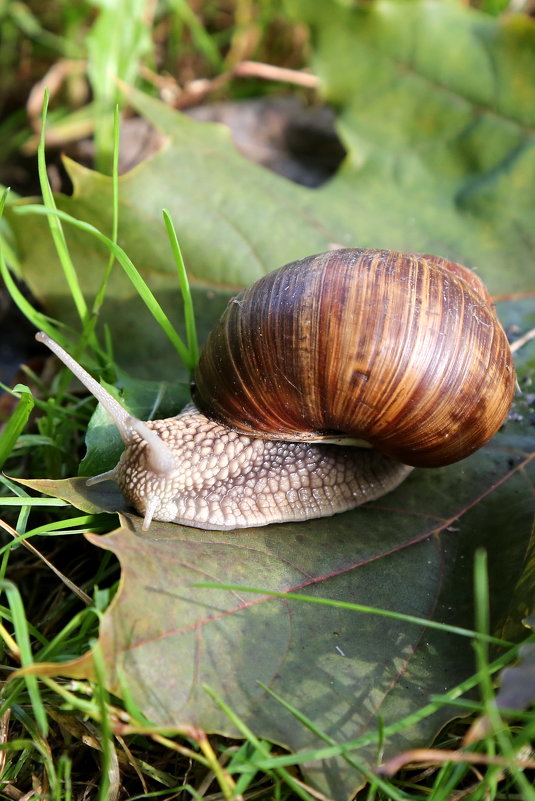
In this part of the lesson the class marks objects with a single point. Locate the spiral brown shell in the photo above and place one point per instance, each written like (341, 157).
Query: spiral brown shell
(403, 351)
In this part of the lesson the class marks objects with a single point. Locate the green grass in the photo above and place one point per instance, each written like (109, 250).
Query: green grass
(130, 40)
(40, 709)
(63, 736)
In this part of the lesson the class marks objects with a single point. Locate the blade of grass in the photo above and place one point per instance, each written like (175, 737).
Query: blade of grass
(501, 732)
(72, 525)
(361, 767)
(394, 728)
(55, 225)
(88, 708)
(370, 610)
(41, 321)
(23, 745)
(52, 648)
(110, 775)
(30, 441)
(259, 746)
(202, 40)
(6, 614)
(242, 762)
(31, 27)
(6, 243)
(22, 638)
(130, 270)
(187, 300)
(15, 426)
(33, 502)
(64, 778)
(101, 293)
(39, 741)
(116, 43)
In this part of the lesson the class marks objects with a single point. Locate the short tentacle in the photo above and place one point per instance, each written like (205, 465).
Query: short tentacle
(159, 458)
(109, 475)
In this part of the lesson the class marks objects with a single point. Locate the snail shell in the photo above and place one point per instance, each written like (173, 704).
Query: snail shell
(401, 354)
(403, 351)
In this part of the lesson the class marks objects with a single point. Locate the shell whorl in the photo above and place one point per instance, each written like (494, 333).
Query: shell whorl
(403, 351)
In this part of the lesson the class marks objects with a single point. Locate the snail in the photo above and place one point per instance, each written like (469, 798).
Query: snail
(321, 387)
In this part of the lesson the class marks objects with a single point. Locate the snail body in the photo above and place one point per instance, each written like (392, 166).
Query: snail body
(399, 355)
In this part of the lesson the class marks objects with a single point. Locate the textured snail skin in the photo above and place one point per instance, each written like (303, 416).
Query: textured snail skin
(227, 480)
(400, 352)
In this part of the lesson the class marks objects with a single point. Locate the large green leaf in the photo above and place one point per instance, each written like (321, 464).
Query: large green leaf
(437, 109)
(410, 552)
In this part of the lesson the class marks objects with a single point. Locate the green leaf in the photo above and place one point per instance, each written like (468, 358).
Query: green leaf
(116, 43)
(436, 107)
(437, 110)
(101, 498)
(411, 552)
(144, 399)
(15, 425)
